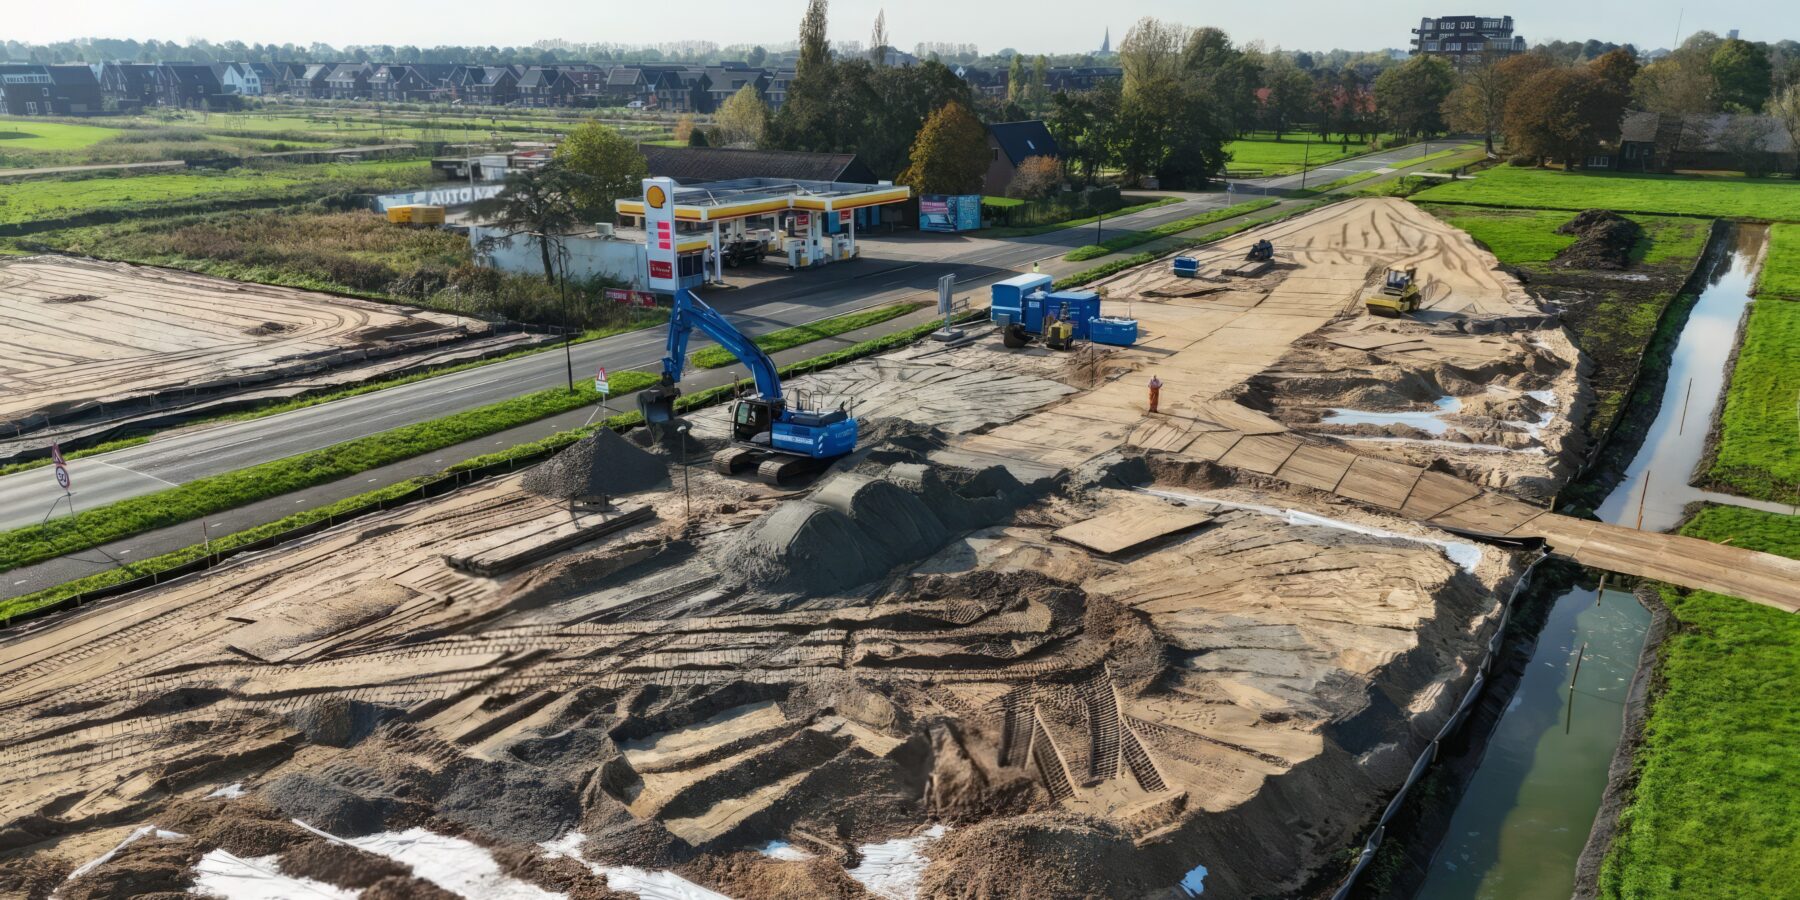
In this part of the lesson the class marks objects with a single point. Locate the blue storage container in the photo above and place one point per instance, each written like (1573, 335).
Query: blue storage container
(1075, 306)
(1008, 298)
(1187, 267)
(1112, 330)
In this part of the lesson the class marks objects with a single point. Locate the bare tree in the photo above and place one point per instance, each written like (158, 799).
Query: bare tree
(1785, 109)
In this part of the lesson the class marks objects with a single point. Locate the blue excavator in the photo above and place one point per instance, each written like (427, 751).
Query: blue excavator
(784, 441)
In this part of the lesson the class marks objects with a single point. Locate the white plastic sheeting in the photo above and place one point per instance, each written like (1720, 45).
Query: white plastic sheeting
(231, 791)
(648, 885)
(891, 869)
(456, 865)
(784, 851)
(220, 874)
(132, 838)
(1464, 554)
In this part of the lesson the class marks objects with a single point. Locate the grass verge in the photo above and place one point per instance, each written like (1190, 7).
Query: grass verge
(1759, 433)
(107, 447)
(1134, 238)
(28, 602)
(1029, 230)
(786, 338)
(1725, 197)
(1714, 809)
(1781, 267)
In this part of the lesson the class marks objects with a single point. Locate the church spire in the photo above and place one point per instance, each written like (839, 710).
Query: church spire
(1106, 42)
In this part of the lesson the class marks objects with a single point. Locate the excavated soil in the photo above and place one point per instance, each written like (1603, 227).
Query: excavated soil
(1603, 241)
(912, 640)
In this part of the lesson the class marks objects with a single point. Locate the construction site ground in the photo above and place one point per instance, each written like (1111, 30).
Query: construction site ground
(90, 338)
(1030, 639)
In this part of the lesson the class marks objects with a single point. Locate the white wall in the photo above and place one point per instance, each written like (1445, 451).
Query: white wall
(588, 257)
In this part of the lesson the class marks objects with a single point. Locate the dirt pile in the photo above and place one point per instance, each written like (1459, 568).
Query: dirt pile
(858, 526)
(1045, 855)
(598, 466)
(339, 864)
(1603, 241)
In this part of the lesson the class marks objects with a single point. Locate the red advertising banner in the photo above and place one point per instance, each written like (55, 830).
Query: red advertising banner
(662, 268)
(634, 298)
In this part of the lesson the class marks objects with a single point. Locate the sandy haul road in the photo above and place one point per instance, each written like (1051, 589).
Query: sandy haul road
(78, 333)
(1028, 641)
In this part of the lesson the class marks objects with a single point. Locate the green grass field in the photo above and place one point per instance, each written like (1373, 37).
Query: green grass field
(35, 134)
(1781, 268)
(1716, 810)
(1769, 199)
(1285, 157)
(1759, 434)
(1527, 237)
(29, 201)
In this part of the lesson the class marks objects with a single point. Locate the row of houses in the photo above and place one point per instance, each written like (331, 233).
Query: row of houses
(83, 89)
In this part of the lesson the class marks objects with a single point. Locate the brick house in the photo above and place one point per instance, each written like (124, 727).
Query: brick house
(1009, 145)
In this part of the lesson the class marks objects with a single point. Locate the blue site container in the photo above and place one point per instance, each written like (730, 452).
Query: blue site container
(1075, 306)
(1112, 330)
(1008, 298)
(1187, 267)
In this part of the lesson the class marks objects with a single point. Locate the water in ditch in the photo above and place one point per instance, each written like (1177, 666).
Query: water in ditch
(1524, 819)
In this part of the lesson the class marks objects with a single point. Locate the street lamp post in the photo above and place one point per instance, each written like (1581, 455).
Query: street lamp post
(1305, 161)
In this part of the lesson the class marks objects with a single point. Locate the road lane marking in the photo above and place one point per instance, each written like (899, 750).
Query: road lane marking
(135, 472)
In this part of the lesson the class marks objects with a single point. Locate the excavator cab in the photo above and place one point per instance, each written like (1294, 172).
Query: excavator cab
(753, 418)
(1261, 251)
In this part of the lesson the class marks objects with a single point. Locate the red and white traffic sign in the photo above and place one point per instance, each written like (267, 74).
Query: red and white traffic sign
(601, 385)
(56, 454)
(62, 476)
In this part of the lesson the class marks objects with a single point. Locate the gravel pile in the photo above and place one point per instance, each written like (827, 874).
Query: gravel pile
(598, 466)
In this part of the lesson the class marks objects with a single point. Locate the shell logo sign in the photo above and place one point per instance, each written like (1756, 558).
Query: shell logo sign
(659, 226)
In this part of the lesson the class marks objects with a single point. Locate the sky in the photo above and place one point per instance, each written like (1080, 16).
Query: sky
(1049, 26)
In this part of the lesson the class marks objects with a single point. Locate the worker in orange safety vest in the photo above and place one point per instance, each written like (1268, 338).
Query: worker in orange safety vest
(1155, 391)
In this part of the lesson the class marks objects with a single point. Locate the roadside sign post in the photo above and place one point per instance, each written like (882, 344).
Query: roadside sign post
(603, 387)
(946, 305)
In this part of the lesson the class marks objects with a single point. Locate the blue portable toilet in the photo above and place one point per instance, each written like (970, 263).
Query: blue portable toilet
(1008, 298)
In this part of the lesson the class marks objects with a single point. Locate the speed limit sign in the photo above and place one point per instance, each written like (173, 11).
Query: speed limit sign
(62, 477)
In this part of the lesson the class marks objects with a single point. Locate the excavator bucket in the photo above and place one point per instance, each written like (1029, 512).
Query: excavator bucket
(657, 404)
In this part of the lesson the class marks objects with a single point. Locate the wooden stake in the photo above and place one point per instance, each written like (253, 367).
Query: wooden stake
(1642, 496)
(1684, 407)
(1569, 717)
(1601, 593)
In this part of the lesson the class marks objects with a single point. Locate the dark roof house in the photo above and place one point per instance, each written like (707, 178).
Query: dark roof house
(1009, 145)
(691, 165)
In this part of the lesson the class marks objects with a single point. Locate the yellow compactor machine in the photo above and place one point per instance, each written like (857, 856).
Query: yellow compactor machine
(1396, 295)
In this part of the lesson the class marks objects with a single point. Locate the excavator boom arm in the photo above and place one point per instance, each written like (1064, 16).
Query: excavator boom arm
(690, 312)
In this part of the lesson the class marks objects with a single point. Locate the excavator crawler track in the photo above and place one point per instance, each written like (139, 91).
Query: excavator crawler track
(779, 470)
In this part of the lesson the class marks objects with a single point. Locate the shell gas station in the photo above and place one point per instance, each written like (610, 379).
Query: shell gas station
(804, 223)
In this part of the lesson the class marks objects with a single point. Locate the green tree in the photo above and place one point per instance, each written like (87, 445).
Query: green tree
(1618, 67)
(1411, 95)
(950, 155)
(1785, 110)
(1478, 102)
(1015, 80)
(756, 57)
(742, 118)
(1040, 85)
(1083, 124)
(1742, 75)
(1290, 99)
(1151, 54)
(1681, 83)
(603, 166)
(804, 122)
(536, 202)
(1227, 74)
(697, 138)
(1564, 113)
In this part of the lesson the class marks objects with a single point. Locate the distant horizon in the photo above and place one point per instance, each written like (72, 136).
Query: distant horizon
(1311, 25)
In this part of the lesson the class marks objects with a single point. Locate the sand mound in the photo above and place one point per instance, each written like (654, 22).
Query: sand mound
(1036, 856)
(1603, 240)
(666, 442)
(858, 526)
(600, 465)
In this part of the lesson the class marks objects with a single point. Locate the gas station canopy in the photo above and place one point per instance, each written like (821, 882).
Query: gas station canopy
(722, 201)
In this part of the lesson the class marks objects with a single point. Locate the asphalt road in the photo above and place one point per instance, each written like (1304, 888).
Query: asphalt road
(890, 270)
(1324, 175)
